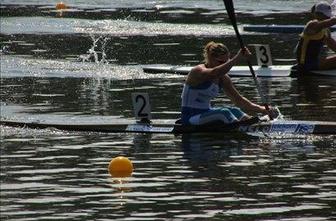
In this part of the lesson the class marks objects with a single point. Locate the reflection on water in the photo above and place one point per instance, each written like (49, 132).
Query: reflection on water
(65, 176)
(51, 174)
(297, 99)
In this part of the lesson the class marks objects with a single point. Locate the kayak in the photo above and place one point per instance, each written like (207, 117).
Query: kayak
(173, 127)
(242, 71)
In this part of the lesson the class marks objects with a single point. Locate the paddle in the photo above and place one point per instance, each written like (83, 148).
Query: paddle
(231, 13)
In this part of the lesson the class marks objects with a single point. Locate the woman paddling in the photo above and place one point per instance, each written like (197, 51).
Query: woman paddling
(203, 84)
(315, 35)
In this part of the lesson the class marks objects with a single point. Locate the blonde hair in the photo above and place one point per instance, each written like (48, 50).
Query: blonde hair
(213, 49)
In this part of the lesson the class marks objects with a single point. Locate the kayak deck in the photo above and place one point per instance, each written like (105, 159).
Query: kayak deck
(170, 127)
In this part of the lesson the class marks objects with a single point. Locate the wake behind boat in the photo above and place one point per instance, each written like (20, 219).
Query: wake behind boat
(171, 127)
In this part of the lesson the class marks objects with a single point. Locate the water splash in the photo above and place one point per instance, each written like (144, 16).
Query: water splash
(98, 48)
(280, 115)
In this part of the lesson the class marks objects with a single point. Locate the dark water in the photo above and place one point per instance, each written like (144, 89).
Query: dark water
(84, 66)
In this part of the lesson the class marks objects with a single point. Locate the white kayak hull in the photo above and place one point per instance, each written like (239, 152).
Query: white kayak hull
(239, 71)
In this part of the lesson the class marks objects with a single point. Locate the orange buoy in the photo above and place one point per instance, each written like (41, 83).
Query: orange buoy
(60, 6)
(120, 167)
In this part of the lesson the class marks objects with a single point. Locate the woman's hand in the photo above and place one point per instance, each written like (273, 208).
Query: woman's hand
(244, 53)
(273, 112)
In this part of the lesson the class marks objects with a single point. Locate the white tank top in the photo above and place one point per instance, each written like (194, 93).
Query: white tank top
(200, 96)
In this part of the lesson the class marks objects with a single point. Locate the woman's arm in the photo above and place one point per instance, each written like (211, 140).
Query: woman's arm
(201, 73)
(238, 99)
(315, 26)
(223, 69)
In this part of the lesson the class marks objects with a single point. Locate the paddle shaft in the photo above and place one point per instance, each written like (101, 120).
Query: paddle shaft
(230, 10)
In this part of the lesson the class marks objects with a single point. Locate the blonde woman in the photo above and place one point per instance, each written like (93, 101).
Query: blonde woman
(204, 82)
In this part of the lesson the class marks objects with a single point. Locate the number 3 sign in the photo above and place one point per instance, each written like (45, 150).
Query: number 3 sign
(263, 55)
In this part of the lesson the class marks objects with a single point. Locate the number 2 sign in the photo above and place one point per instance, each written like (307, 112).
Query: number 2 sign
(141, 106)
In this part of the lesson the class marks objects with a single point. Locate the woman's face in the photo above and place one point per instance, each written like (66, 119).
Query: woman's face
(221, 59)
